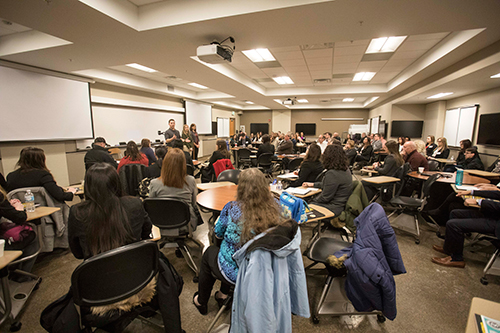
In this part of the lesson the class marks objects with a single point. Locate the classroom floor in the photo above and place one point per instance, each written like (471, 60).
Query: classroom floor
(430, 298)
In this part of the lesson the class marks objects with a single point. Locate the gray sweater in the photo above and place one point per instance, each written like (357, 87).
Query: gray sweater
(336, 188)
(187, 194)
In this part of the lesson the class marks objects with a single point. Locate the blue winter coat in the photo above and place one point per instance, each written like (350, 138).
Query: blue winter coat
(271, 283)
(372, 261)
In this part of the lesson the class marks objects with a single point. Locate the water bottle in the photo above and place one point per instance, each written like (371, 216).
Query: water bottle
(452, 158)
(459, 177)
(280, 186)
(29, 198)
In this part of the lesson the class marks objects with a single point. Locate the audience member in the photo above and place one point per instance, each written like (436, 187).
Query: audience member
(472, 160)
(421, 147)
(196, 141)
(336, 185)
(187, 139)
(154, 170)
(365, 153)
(146, 150)
(429, 148)
(99, 154)
(413, 157)
(311, 166)
(442, 150)
(336, 136)
(376, 144)
(401, 142)
(243, 140)
(322, 143)
(464, 144)
(32, 171)
(221, 152)
(234, 141)
(179, 144)
(495, 166)
(254, 211)
(175, 183)
(328, 137)
(275, 140)
(171, 134)
(286, 147)
(106, 219)
(350, 151)
(132, 156)
(266, 146)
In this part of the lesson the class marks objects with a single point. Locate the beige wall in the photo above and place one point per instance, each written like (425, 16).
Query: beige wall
(390, 112)
(322, 126)
(434, 119)
(261, 116)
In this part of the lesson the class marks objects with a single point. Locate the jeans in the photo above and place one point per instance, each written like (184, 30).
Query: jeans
(209, 273)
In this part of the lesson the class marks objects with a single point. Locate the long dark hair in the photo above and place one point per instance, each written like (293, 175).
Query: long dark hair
(132, 151)
(393, 148)
(335, 158)
(466, 143)
(102, 211)
(222, 148)
(31, 158)
(313, 153)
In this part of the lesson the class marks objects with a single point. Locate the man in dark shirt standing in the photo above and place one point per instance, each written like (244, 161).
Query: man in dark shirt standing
(98, 154)
(171, 134)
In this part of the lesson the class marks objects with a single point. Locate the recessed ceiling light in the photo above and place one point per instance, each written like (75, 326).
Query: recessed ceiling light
(364, 76)
(197, 85)
(496, 76)
(439, 95)
(142, 68)
(385, 44)
(283, 80)
(347, 99)
(248, 102)
(259, 55)
(303, 100)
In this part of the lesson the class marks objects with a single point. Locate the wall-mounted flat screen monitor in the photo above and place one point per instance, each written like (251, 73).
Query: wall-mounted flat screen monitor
(308, 129)
(259, 127)
(214, 128)
(488, 129)
(413, 129)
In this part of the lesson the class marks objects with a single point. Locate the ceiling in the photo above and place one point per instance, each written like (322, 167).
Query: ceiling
(451, 45)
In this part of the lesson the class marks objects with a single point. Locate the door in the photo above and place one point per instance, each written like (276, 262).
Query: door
(231, 126)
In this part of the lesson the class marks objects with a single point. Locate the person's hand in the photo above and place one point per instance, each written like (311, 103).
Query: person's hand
(462, 193)
(470, 202)
(18, 205)
(374, 165)
(307, 184)
(72, 190)
(174, 137)
(187, 140)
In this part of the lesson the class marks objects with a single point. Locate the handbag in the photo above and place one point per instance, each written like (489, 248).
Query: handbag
(293, 207)
(17, 237)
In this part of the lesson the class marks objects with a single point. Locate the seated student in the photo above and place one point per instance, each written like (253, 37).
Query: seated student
(336, 186)
(266, 147)
(179, 144)
(255, 210)
(377, 143)
(106, 219)
(234, 141)
(421, 147)
(154, 170)
(365, 152)
(472, 160)
(430, 145)
(442, 150)
(485, 220)
(322, 143)
(99, 154)
(391, 165)
(133, 156)
(286, 146)
(413, 157)
(350, 151)
(243, 140)
(32, 172)
(220, 153)
(464, 144)
(311, 166)
(146, 150)
(175, 183)
(401, 142)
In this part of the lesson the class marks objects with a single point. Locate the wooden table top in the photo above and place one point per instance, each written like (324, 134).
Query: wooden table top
(444, 160)
(328, 214)
(482, 173)
(8, 257)
(290, 155)
(381, 180)
(41, 212)
(155, 232)
(216, 198)
(368, 170)
(468, 179)
(208, 186)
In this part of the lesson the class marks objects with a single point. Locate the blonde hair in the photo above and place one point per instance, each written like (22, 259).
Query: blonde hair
(3, 193)
(420, 146)
(444, 142)
(260, 211)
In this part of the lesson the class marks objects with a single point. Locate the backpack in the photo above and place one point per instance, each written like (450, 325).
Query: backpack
(293, 207)
(16, 236)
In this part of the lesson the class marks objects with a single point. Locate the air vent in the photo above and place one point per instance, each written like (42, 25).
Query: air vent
(267, 64)
(324, 82)
(320, 46)
(170, 88)
(342, 76)
(173, 78)
(377, 56)
(265, 79)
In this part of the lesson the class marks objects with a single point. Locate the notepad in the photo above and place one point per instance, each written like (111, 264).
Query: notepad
(467, 188)
(299, 190)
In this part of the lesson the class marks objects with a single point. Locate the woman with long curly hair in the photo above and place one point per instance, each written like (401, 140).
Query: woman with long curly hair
(254, 211)
(336, 185)
(133, 156)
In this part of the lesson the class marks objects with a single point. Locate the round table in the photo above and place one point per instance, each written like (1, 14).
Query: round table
(216, 198)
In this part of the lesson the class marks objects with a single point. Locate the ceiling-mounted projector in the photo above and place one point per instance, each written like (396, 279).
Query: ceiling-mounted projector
(214, 53)
(289, 101)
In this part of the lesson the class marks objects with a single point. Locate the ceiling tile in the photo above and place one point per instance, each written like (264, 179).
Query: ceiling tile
(289, 55)
(318, 53)
(320, 68)
(371, 66)
(319, 61)
(343, 51)
(347, 59)
(408, 54)
(274, 71)
(284, 49)
(418, 45)
(297, 70)
(292, 62)
(321, 74)
(439, 35)
(363, 42)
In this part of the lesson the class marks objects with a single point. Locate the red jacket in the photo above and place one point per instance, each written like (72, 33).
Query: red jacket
(221, 165)
(124, 161)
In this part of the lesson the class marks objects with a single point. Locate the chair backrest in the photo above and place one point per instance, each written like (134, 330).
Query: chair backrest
(295, 163)
(190, 169)
(402, 173)
(167, 213)
(320, 177)
(130, 177)
(244, 153)
(265, 160)
(426, 187)
(115, 275)
(433, 165)
(229, 176)
(221, 165)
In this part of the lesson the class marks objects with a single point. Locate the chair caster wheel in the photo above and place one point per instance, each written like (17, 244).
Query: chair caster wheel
(484, 281)
(37, 285)
(16, 326)
(196, 279)
(315, 320)
(381, 318)
(417, 241)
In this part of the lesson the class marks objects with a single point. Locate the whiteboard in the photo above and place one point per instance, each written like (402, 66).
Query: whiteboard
(199, 114)
(459, 124)
(374, 125)
(35, 106)
(119, 124)
(222, 127)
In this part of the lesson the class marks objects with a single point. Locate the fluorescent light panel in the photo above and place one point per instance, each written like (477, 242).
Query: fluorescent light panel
(439, 95)
(385, 44)
(197, 85)
(303, 100)
(283, 80)
(496, 76)
(347, 99)
(364, 76)
(142, 68)
(259, 55)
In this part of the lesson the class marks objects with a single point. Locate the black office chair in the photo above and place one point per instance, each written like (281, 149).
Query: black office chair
(111, 277)
(409, 206)
(190, 169)
(173, 218)
(130, 177)
(433, 165)
(386, 191)
(295, 163)
(490, 265)
(229, 176)
(264, 163)
(244, 158)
